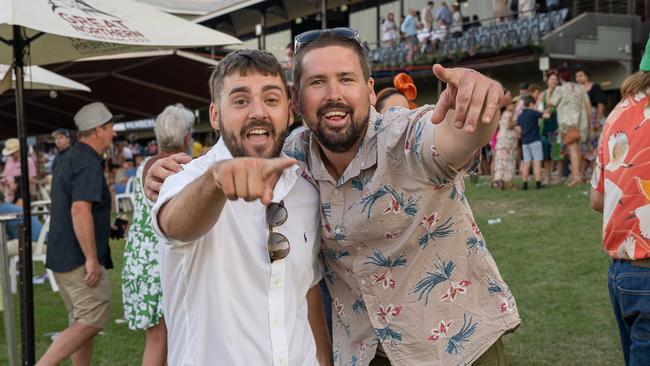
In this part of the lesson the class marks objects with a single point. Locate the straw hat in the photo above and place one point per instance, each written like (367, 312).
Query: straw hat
(11, 146)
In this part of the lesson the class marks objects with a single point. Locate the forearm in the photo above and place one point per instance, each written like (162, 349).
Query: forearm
(84, 229)
(318, 325)
(458, 146)
(600, 111)
(191, 213)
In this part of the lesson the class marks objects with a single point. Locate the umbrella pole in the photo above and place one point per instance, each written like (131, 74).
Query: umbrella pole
(25, 247)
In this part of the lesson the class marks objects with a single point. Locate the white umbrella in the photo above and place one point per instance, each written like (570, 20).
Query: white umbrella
(38, 78)
(63, 30)
(49, 31)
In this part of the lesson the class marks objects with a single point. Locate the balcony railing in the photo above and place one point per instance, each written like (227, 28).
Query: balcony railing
(491, 38)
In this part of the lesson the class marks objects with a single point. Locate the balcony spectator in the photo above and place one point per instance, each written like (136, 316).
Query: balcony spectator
(526, 9)
(457, 23)
(410, 31)
(500, 10)
(439, 35)
(444, 14)
(426, 16)
(552, 5)
(476, 22)
(389, 32)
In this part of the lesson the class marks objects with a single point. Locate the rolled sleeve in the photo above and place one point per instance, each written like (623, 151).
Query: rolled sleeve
(423, 161)
(172, 186)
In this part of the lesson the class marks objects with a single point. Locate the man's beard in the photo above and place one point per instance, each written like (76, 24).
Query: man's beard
(236, 147)
(341, 140)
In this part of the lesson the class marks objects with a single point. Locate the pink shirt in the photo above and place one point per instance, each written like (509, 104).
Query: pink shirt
(12, 169)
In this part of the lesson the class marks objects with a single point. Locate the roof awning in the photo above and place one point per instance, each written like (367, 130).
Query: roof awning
(138, 85)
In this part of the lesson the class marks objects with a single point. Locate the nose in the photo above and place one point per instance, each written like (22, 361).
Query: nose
(334, 91)
(257, 110)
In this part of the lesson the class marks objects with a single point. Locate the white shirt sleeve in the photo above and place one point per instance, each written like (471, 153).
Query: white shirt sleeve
(174, 184)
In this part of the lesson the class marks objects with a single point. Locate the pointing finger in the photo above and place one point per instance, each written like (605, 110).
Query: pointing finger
(449, 76)
(276, 165)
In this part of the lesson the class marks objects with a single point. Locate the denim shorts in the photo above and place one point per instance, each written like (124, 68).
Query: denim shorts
(629, 292)
(533, 151)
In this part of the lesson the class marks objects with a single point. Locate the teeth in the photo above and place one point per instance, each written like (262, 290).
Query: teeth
(257, 132)
(335, 113)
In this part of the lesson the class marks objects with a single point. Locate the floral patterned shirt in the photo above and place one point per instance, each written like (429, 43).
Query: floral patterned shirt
(405, 262)
(622, 174)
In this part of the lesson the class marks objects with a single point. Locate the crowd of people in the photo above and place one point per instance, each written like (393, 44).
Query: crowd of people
(347, 241)
(555, 130)
(423, 30)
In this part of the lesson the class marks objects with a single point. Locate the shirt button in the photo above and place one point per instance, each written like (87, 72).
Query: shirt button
(363, 282)
(282, 361)
(359, 247)
(336, 191)
(277, 282)
(276, 322)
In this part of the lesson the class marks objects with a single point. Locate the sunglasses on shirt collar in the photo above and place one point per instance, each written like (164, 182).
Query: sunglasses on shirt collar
(278, 244)
(307, 37)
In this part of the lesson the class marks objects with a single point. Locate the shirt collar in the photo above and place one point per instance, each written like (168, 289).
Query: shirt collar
(365, 158)
(84, 146)
(285, 182)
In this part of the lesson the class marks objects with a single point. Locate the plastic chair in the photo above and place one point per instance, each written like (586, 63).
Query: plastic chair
(128, 196)
(38, 255)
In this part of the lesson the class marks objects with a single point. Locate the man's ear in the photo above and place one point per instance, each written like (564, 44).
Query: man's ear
(371, 91)
(290, 118)
(214, 116)
(295, 100)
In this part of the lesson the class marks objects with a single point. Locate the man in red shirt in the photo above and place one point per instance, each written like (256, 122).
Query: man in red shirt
(621, 191)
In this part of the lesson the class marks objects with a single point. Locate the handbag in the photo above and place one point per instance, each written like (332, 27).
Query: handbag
(571, 135)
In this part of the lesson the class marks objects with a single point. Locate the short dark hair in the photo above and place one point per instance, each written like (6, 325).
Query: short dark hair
(580, 69)
(244, 61)
(330, 39)
(528, 100)
(430, 3)
(385, 94)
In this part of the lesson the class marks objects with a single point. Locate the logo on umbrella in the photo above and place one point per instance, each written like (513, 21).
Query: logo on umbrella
(87, 19)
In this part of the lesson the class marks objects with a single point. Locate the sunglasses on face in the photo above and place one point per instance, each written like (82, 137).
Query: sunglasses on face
(278, 245)
(307, 37)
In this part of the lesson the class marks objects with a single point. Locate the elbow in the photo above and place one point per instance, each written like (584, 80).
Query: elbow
(596, 201)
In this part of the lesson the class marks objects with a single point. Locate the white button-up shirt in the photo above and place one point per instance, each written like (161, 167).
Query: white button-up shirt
(224, 302)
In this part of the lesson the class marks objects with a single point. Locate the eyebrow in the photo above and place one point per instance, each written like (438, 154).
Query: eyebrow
(339, 74)
(245, 89)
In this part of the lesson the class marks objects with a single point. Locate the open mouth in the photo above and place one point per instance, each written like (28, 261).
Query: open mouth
(336, 117)
(258, 135)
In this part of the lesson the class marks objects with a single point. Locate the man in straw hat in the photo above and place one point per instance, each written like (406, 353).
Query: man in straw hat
(78, 251)
(11, 171)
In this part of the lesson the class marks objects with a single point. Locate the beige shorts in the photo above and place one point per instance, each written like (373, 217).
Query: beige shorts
(86, 305)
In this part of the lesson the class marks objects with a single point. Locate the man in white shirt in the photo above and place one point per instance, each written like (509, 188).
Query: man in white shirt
(240, 279)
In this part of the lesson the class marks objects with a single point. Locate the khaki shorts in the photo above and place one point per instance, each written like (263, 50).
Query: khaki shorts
(86, 305)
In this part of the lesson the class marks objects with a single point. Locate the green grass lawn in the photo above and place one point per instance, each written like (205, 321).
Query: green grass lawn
(548, 249)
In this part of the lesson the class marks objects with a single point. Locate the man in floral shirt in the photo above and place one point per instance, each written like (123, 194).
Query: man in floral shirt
(406, 264)
(621, 191)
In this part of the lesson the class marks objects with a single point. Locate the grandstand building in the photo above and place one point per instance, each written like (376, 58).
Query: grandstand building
(602, 36)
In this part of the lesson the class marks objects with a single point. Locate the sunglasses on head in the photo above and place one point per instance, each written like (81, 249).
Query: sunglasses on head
(278, 245)
(307, 37)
